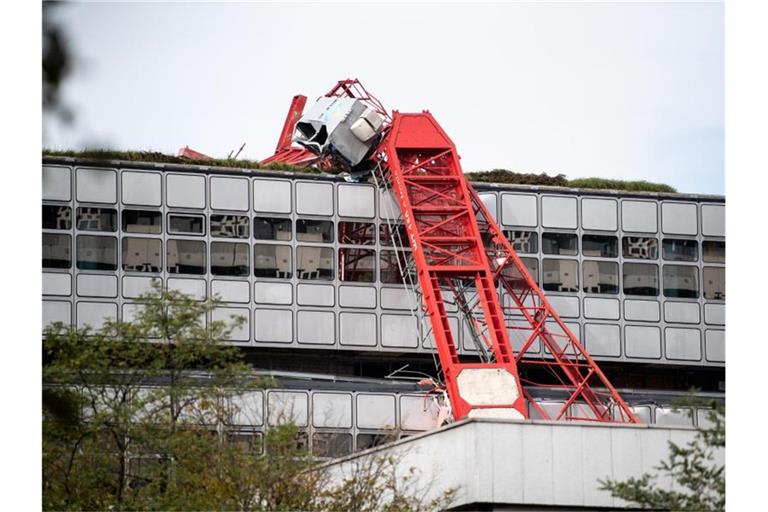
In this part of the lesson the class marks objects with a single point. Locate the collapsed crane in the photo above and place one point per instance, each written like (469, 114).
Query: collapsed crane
(459, 255)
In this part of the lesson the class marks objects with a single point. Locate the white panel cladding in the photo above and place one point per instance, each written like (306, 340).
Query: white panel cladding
(332, 410)
(518, 337)
(683, 343)
(519, 210)
(602, 339)
(57, 183)
(57, 284)
(537, 487)
(135, 286)
(566, 307)
(605, 309)
(375, 411)
(559, 212)
(715, 345)
(314, 198)
(95, 313)
(131, 311)
(272, 196)
(389, 208)
(358, 329)
(287, 407)
(273, 325)
(229, 315)
(639, 216)
(194, 287)
(489, 200)
(714, 314)
(679, 219)
(682, 312)
(559, 333)
(56, 311)
(642, 310)
(90, 285)
(273, 293)
(315, 294)
(316, 327)
(141, 188)
(356, 201)
(599, 214)
(397, 298)
(429, 339)
(713, 219)
(671, 417)
(96, 185)
(231, 291)
(229, 193)
(185, 191)
(357, 296)
(416, 413)
(247, 408)
(567, 467)
(399, 331)
(642, 341)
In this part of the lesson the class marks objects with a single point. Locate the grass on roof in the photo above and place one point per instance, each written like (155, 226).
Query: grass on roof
(560, 180)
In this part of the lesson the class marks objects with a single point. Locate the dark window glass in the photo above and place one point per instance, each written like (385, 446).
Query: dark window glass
(713, 251)
(230, 226)
(365, 441)
(560, 275)
(331, 444)
(559, 243)
(389, 269)
(142, 254)
(96, 219)
(96, 252)
(56, 251)
(271, 228)
(673, 249)
(186, 224)
(714, 283)
(401, 236)
(186, 257)
(57, 217)
(532, 264)
(357, 233)
(523, 241)
(641, 279)
(142, 221)
(681, 281)
(601, 277)
(600, 246)
(314, 263)
(640, 247)
(229, 259)
(314, 230)
(357, 265)
(514, 276)
(272, 261)
(247, 441)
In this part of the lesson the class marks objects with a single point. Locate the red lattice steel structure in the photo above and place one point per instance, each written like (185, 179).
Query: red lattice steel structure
(461, 254)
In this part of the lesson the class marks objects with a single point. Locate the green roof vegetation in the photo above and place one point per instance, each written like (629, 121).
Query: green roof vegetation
(494, 176)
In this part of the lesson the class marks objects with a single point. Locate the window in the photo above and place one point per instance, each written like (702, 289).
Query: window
(561, 275)
(640, 247)
(713, 251)
(96, 252)
(186, 224)
(142, 254)
(314, 230)
(357, 265)
(357, 233)
(559, 243)
(272, 228)
(57, 217)
(272, 261)
(681, 281)
(523, 241)
(385, 235)
(673, 249)
(230, 226)
(512, 275)
(714, 283)
(532, 264)
(314, 263)
(365, 441)
(641, 279)
(601, 277)
(389, 269)
(247, 441)
(186, 257)
(142, 221)
(600, 246)
(229, 259)
(56, 251)
(96, 219)
(331, 444)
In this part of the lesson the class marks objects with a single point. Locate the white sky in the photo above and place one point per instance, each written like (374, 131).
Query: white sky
(616, 90)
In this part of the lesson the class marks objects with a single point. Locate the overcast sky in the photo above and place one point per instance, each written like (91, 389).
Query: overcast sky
(616, 90)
